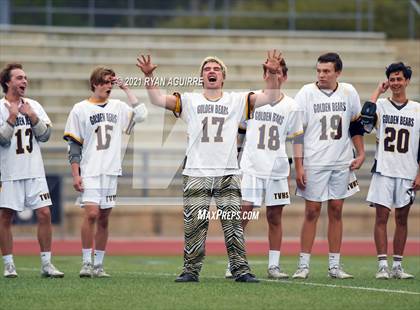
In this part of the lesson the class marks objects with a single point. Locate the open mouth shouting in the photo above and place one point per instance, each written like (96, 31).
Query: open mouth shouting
(21, 90)
(212, 78)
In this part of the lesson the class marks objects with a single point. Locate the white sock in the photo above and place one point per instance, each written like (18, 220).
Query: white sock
(98, 257)
(45, 258)
(304, 259)
(273, 258)
(87, 255)
(382, 260)
(8, 259)
(228, 265)
(333, 259)
(397, 260)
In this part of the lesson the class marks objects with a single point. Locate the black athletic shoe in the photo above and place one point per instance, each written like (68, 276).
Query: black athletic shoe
(186, 277)
(247, 277)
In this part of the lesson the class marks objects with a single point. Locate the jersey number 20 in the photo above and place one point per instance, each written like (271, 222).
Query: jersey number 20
(402, 136)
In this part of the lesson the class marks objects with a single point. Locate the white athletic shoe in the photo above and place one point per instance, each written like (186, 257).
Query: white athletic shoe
(274, 272)
(337, 273)
(301, 273)
(398, 273)
(10, 271)
(49, 271)
(86, 271)
(228, 274)
(99, 272)
(383, 273)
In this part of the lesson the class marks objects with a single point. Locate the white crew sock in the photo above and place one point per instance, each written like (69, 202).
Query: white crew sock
(273, 258)
(98, 257)
(87, 256)
(333, 260)
(8, 259)
(304, 259)
(45, 258)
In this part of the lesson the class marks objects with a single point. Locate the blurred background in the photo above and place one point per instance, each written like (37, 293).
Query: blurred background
(59, 42)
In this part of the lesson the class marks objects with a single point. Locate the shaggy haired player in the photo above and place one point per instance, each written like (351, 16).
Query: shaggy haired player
(94, 132)
(396, 173)
(23, 125)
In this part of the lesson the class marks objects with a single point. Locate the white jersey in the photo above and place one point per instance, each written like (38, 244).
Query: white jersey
(264, 154)
(212, 128)
(98, 129)
(398, 134)
(22, 159)
(327, 117)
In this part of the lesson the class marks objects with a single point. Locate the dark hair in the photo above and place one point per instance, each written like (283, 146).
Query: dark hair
(332, 57)
(5, 75)
(98, 75)
(283, 66)
(399, 66)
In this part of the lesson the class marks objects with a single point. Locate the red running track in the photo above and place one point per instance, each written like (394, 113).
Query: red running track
(213, 247)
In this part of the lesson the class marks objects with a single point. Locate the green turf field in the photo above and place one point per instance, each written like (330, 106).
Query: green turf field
(147, 283)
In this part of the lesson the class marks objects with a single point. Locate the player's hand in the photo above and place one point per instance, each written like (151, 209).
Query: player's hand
(300, 179)
(13, 108)
(119, 82)
(416, 182)
(145, 65)
(357, 162)
(382, 87)
(272, 64)
(26, 109)
(77, 183)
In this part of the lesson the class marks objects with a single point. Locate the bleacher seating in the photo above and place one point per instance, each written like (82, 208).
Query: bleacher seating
(58, 62)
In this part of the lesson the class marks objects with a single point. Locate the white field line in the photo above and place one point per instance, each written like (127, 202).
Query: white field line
(296, 282)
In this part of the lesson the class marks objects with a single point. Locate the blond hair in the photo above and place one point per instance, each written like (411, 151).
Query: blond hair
(216, 60)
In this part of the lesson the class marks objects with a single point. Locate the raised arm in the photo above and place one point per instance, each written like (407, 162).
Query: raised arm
(381, 89)
(271, 93)
(156, 97)
(132, 99)
(139, 109)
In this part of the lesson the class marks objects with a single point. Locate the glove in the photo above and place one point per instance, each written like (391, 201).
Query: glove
(368, 116)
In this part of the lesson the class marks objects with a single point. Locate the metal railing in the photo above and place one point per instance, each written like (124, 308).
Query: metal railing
(218, 13)
(413, 8)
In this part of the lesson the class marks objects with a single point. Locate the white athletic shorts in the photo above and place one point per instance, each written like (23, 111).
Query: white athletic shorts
(275, 192)
(323, 185)
(29, 193)
(101, 190)
(390, 192)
